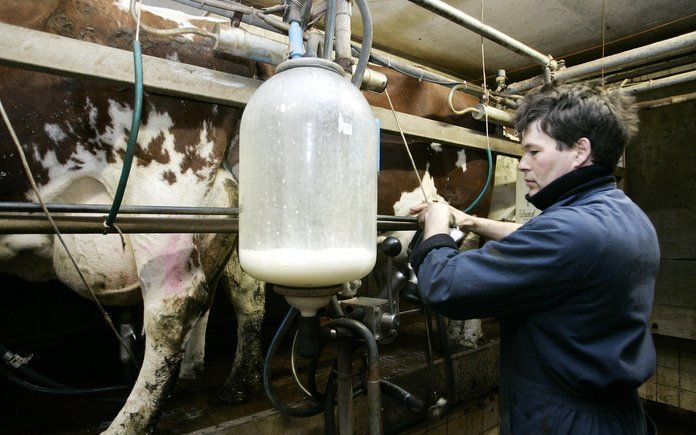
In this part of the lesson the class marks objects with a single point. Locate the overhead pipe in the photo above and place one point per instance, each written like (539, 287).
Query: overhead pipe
(669, 47)
(662, 102)
(488, 32)
(660, 83)
(421, 74)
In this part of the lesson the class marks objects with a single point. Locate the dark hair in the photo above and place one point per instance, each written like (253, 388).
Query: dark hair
(569, 112)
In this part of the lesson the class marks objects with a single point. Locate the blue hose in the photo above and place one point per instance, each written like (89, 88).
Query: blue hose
(296, 43)
(132, 138)
(486, 185)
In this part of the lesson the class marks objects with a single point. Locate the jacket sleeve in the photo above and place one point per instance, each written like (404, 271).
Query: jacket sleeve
(530, 269)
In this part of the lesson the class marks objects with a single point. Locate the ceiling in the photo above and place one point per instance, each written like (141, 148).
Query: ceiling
(565, 29)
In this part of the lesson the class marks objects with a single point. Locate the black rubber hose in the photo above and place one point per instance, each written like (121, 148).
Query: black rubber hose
(449, 365)
(366, 42)
(312, 377)
(329, 28)
(330, 403)
(58, 391)
(268, 387)
(48, 383)
(6, 354)
(401, 396)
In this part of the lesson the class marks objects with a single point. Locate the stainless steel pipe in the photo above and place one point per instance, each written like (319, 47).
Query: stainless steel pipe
(36, 223)
(659, 50)
(31, 207)
(488, 32)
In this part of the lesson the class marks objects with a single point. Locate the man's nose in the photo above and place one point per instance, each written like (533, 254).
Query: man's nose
(523, 166)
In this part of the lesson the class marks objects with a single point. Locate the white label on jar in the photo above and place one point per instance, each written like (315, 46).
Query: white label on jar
(344, 127)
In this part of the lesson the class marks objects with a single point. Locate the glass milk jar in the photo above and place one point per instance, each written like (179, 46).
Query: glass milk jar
(308, 178)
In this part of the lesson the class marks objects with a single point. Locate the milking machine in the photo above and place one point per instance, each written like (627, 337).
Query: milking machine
(308, 209)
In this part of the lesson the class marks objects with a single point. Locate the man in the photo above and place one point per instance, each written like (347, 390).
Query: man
(573, 287)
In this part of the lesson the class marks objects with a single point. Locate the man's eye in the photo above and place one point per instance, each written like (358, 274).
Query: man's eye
(533, 152)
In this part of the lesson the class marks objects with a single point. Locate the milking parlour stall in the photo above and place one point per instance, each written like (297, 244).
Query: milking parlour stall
(225, 216)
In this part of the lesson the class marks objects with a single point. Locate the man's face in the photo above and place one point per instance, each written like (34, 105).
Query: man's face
(542, 162)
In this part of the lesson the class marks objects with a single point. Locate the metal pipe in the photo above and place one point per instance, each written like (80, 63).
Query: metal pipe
(343, 34)
(374, 410)
(126, 209)
(662, 102)
(30, 207)
(668, 47)
(421, 74)
(660, 83)
(238, 42)
(488, 32)
(38, 224)
(493, 114)
(344, 393)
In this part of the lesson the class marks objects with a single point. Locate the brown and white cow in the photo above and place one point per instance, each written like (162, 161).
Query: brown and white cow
(74, 134)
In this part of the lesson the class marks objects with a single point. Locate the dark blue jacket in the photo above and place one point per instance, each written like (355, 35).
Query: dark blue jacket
(573, 290)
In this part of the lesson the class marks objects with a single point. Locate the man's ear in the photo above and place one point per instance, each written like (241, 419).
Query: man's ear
(583, 148)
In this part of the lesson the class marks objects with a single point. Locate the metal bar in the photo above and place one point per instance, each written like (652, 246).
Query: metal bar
(94, 224)
(37, 224)
(659, 50)
(31, 207)
(455, 15)
(660, 83)
(44, 52)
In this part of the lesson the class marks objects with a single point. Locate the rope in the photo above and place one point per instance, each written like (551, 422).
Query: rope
(603, 43)
(489, 156)
(34, 187)
(408, 150)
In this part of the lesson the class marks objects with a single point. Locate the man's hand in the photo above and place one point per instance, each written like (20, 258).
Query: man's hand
(457, 218)
(437, 218)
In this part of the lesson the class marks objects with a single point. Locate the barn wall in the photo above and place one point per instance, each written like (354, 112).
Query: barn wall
(662, 180)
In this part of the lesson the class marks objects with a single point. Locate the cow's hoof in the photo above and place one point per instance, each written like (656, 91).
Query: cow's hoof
(230, 396)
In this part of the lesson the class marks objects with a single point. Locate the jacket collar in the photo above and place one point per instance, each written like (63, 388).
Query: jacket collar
(571, 184)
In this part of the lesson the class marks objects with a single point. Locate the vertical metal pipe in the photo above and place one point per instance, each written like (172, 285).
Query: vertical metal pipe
(344, 395)
(342, 43)
(488, 32)
(374, 401)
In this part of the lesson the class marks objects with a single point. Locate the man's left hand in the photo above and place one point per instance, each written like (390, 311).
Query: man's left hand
(435, 218)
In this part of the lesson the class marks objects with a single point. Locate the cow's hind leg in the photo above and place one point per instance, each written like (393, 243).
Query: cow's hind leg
(175, 295)
(247, 296)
